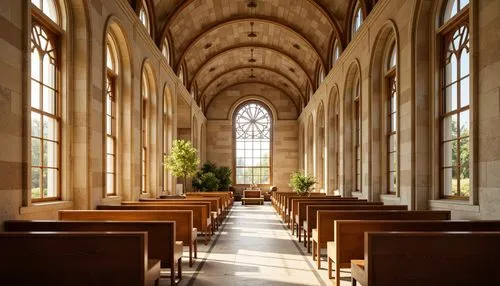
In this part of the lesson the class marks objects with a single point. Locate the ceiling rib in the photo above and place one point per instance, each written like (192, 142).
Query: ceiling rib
(181, 6)
(254, 68)
(251, 82)
(267, 20)
(232, 49)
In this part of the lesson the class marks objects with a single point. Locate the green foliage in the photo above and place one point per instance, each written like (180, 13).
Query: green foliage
(209, 181)
(183, 160)
(209, 167)
(204, 179)
(224, 175)
(301, 183)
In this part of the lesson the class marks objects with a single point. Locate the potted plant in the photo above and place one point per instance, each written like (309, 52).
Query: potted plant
(183, 161)
(301, 183)
(209, 173)
(224, 175)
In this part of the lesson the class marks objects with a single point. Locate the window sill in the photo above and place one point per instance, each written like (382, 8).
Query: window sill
(46, 207)
(456, 205)
(393, 198)
(145, 196)
(356, 194)
(112, 199)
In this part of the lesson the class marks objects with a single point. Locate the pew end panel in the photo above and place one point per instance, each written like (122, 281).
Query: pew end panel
(431, 258)
(80, 258)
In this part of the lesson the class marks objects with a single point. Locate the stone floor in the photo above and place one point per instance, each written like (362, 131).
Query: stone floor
(253, 247)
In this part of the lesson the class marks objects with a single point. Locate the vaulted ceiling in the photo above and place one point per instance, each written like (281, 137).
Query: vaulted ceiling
(211, 40)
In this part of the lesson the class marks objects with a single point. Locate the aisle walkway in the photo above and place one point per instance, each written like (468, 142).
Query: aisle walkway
(253, 247)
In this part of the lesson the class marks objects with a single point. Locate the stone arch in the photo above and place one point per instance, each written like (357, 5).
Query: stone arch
(167, 134)
(333, 135)
(347, 135)
(151, 107)
(320, 148)
(387, 37)
(115, 30)
(310, 146)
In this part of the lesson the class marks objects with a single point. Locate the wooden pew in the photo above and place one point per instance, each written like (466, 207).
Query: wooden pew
(201, 221)
(324, 230)
(349, 236)
(297, 215)
(77, 258)
(312, 214)
(226, 197)
(161, 236)
(223, 202)
(184, 229)
(214, 205)
(287, 208)
(428, 258)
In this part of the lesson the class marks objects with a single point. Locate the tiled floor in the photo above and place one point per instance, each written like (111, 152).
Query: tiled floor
(253, 247)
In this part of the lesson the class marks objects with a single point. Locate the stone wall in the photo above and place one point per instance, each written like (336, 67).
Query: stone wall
(411, 24)
(285, 137)
(85, 25)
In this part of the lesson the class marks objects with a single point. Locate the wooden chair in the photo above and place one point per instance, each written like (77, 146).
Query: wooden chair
(184, 229)
(77, 258)
(325, 231)
(349, 236)
(161, 236)
(428, 258)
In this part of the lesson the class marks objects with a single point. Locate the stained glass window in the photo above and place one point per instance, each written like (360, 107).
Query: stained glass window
(253, 133)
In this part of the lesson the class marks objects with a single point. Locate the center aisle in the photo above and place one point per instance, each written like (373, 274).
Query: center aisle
(253, 247)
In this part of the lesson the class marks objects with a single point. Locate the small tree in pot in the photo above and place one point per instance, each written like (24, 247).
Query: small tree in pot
(183, 161)
(301, 183)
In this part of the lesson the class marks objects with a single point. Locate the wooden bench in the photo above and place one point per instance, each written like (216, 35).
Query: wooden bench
(226, 198)
(252, 196)
(287, 217)
(77, 258)
(312, 214)
(214, 205)
(184, 230)
(201, 219)
(428, 258)
(161, 236)
(349, 236)
(298, 215)
(325, 230)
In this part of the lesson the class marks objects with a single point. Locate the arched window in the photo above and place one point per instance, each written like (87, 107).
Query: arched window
(357, 19)
(181, 74)
(253, 136)
(392, 120)
(321, 75)
(165, 50)
(357, 135)
(144, 16)
(335, 52)
(45, 102)
(112, 71)
(455, 99)
(144, 131)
